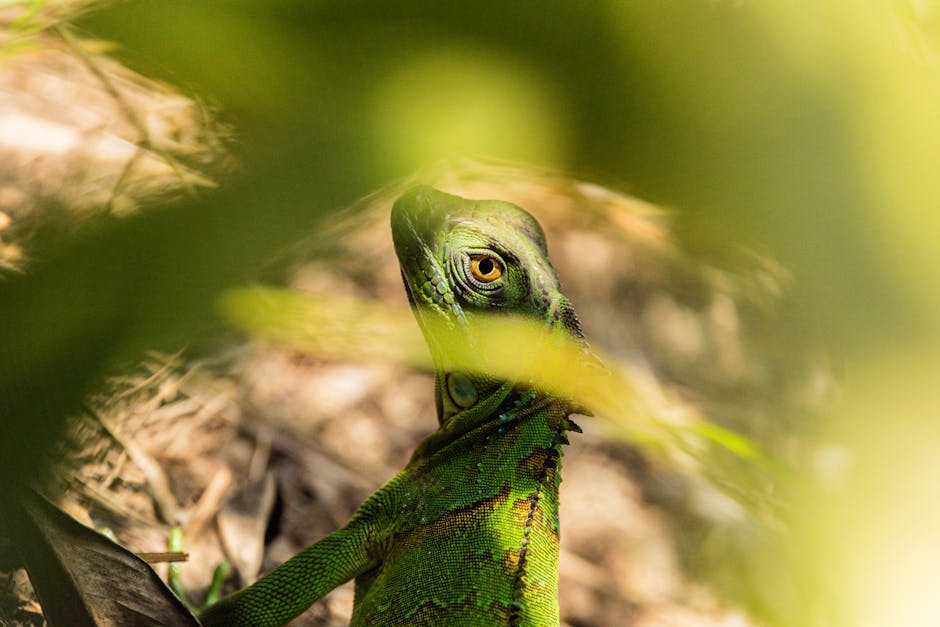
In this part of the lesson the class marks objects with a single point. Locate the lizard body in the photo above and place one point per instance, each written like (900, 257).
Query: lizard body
(467, 533)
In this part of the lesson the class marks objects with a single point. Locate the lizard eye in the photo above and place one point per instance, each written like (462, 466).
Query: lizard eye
(485, 268)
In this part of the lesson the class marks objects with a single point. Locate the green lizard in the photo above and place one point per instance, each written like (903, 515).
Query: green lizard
(467, 533)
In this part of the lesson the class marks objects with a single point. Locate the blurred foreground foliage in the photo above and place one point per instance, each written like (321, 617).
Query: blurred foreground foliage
(806, 128)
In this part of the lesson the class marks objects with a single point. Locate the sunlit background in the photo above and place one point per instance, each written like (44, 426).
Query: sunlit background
(808, 131)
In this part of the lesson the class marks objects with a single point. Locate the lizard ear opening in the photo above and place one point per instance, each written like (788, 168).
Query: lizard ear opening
(461, 390)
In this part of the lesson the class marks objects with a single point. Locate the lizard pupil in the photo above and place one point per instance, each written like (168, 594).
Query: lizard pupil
(485, 268)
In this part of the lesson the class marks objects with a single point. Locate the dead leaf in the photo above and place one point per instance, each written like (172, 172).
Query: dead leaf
(242, 523)
(82, 578)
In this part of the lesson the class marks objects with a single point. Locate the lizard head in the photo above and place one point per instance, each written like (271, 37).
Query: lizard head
(461, 258)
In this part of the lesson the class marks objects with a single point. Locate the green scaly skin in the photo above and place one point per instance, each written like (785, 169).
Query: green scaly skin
(467, 533)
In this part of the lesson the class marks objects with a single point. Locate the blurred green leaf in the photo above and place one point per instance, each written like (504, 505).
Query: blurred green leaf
(636, 408)
(95, 302)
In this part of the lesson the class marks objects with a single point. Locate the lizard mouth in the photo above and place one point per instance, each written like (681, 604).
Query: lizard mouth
(442, 321)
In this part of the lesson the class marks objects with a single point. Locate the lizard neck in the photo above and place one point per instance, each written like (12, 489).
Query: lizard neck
(499, 411)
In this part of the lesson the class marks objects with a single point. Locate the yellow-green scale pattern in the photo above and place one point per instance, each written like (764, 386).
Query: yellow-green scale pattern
(475, 540)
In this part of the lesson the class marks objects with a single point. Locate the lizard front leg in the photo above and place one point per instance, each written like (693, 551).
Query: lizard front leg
(295, 585)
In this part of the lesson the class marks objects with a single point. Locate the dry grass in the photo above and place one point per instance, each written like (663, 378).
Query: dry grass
(80, 133)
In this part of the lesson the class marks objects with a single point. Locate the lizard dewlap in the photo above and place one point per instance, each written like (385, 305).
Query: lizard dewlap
(467, 534)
